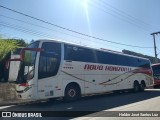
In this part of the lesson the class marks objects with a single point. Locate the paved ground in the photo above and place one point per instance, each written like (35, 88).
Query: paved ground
(143, 110)
(143, 101)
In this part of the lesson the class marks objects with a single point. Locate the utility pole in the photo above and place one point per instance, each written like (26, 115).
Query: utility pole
(155, 48)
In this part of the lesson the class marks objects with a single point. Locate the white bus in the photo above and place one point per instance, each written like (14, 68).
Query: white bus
(51, 69)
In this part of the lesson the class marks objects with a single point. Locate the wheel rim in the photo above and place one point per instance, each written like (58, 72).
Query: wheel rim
(72, 93)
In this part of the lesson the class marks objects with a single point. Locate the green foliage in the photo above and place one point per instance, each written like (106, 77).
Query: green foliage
(20, 42)
(6, 46)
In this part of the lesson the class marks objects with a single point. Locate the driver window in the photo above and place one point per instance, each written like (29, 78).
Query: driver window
(49, 61)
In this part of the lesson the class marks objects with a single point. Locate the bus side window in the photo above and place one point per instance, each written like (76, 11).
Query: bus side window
(49, 61)
(79, 54)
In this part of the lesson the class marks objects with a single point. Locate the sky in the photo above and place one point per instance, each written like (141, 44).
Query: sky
(128, 22)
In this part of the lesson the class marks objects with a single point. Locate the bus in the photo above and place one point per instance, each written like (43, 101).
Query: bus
(53, 69)
(156, 74)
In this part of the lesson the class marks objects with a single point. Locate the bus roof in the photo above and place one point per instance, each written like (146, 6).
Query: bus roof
(103, 50)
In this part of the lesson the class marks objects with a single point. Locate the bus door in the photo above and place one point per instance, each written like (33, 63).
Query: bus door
(49, 62)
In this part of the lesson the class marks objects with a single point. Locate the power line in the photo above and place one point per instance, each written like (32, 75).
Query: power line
(24, 30)
(51, 29)
(33, 32)
(120, 14)
(41, 26)
(134, 19)
(46, 28)
(70, 29)
(36, 33)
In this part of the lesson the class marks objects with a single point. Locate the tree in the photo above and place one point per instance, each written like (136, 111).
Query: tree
(32, 41)
(6, 46)
(20, 42)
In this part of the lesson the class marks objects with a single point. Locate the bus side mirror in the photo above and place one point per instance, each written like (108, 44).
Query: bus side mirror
(22, 53)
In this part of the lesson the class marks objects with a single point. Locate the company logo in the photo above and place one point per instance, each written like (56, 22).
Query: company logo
(6, 114)
(20, 114)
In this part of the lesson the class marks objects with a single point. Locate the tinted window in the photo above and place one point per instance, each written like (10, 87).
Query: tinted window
(127, 61)
(79, 54)
(106, 58)
(88, 55)
(49, 61)
(143, 63)
(156, 70)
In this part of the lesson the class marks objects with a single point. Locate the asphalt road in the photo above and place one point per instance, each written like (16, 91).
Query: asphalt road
(88, 105)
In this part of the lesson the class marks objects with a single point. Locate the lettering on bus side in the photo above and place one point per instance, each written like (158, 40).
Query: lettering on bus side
(106, 68)
(113, 68)
(93, 67)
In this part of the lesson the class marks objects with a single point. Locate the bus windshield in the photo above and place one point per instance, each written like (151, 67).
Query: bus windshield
(156, 71)
(27, 66)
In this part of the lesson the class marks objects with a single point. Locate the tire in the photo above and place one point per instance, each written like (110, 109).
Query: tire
(136, 87)
(72, 93)
(142, 86)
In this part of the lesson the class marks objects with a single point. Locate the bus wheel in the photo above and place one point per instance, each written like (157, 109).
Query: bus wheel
(72, 93)
(142, 86)
(136, 87)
